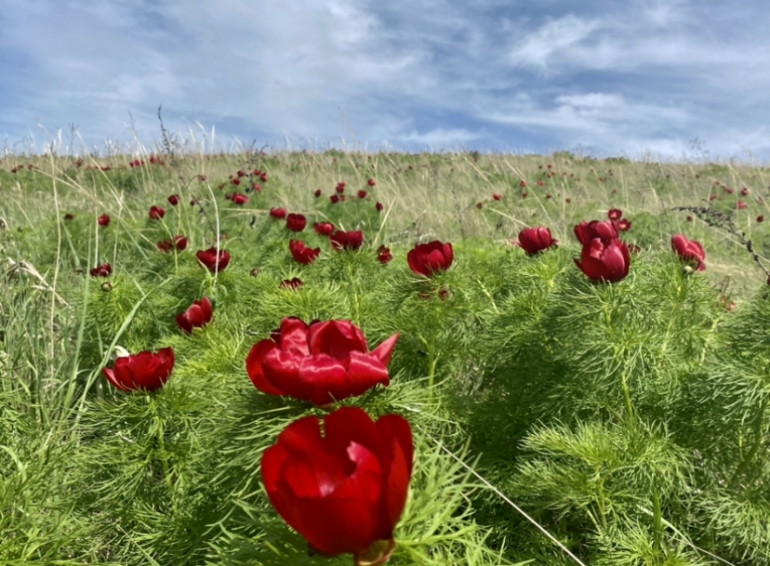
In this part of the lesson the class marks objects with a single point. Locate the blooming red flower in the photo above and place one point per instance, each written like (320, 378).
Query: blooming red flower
(104, 220)
(689, 250)
(602, 261)
(340, 188)
(614, 214)
(350, 240)
(344, 492)
(145, 370)
(196, 316)
(179, 242)
(296, 222)
(323, 228)
(370, 182)
(362, 194)
(263, 177)
(236, 181)
(294, 283)
(624, 225)
(334, 199)
(378, 207)
(156, 212)
(535, 240)
(383, 255)
(301, 253)
(317, 193)
(256, 187)
(103, 270)
(607, 230)
(278, 213)
(239, 199)
(740, 205)
(428, 259)
(321, 363)
(497, 197)
(212, 261)
(173, 200)
(241, 173)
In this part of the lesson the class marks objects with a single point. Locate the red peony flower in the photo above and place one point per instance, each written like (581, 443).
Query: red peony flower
(103, 270)
(760, 218)
(383, 255)
(689, 250)
(173, 200)
(334, 199)
(351, 240)
(323, 228)
(378, 206)
(345, 491)
(156, 212)
(317, 193)
(69, 217)
(321, 363)
(745, 192)
(296, 222)
(301, 253)
(370, 182)
(362, 194)
(179, 242)
(239, 199)
(479, 205)
(104, 220)
(340, 188)
(145, 370)
(428, 259)
(535, 240)
(740, 205)
(624, 225)
(212, 261)
(263, 177)
(497, 197)
(294, 283)
(198, 315)
(523, 184)
(236, 181)
(602, 261)
(278, 213)
(614, 214)
(606, 230)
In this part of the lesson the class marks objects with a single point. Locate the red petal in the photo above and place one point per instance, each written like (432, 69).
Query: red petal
(384, 351)
(254, 367)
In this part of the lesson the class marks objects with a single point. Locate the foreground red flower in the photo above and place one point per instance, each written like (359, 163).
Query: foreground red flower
(535, 240)
(301, 253)
(428, 259)
(145, 370)
(103, 270)
(198, 315)
(212, 261)
(296, 222)
(323, 228)
(345, 491)
(156, 212)
(351, 240)
(104, 220)
(179, 242)
(605, 262)
(321, 363)
(689, 250)
(606, 230)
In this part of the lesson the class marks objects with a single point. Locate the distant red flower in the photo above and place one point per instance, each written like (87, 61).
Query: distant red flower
(525, 194)
(378, 207)
(322, 362)
(431, 258)
(103, 270)
(239, 199)
(740, 205)
(296, 222)
(340, 188)
(370, 182)
(624, 225)
(173, 200)
(350, 240)
(104, 220)
(689, 250)
(236, 181)
(522, 184)
(383, 255)
(263, 177)
(301, 253)
(479, 205)
(241, 173)
(179, 242)
(745, 192)
(535, 240)
(497, 197)
(614, 214)
(156, 212)
(143, 371)
(362, 194)
(199, 314)
(278, 213)
(212, 261)
(334, 199)
(356, 476)
(568, 200)
(608, 262)
(323, 228)
(256, 187)
(294, 283)
(689, 218)
(317, 193)
(728, 190)
(607, 230)
(68, 217)
(760, 218)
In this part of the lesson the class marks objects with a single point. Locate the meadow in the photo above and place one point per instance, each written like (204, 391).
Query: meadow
(554, 419)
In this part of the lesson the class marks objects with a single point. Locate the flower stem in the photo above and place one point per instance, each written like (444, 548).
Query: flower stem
(167, 474)
(356, 298)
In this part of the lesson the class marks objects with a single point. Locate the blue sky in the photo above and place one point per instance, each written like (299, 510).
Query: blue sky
(629, 78)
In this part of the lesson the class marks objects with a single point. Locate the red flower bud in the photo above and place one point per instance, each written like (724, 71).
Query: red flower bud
(370, 182)
(317, 193)
(497, 197)
(378, 207)
(535, 240)
(104, 220)
(428, 259)
(323, 228)
(345, 491)
(212, 261)
(604, 262)
(340, 188)
(179, 242)
(740, 205)
(334, 199)
(103, 270)
(689, 250)
(351, 240)
(198, 315)
(301, 253)
(362, 194)
(383, 255)
(296, 222)
(173, 200)
(239, 199)
(156, 212)
(278, 213)
(321, 363)
(145, 370)
(760, 218)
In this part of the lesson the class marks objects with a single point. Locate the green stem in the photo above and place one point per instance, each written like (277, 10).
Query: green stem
(758, 437)
(356, 298)
(167, 474)
(627, 398)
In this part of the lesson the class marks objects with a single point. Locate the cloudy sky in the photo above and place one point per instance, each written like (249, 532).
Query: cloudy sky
(671, 78)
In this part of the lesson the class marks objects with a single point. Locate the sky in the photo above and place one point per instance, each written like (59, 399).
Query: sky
(673, 79)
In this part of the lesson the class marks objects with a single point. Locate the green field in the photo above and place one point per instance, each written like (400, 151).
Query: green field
(630, 420)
